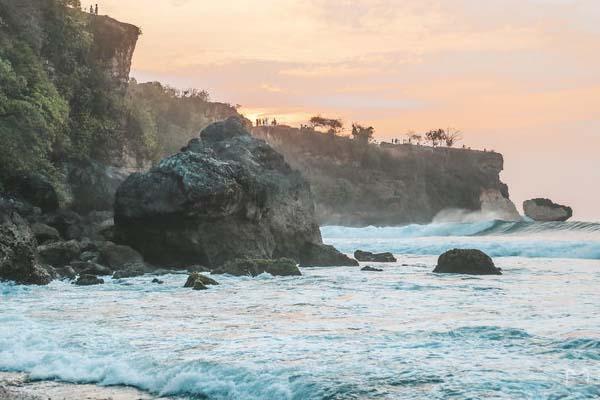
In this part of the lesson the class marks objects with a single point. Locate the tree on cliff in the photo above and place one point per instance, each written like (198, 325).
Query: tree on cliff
(452, 136)
(333, 126)
(362, 134)
(435, 137)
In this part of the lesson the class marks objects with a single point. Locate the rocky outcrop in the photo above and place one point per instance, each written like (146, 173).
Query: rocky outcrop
(374, 257)
(355, 184)
(59, 254)
(466, 261)
(18, 259)
(545, 210)
(88, 280)
(368, 268)
(249, 267)
(321, 255)
(117, 256)
(197, 281)
(226, 195)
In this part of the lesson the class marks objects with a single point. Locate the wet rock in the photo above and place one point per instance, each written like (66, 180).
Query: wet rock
(196, 277)
(130, 271)
(199, 286)
(66, 272)
(466, 261)
(118, 256)
(371, 269)
(255, 267)
(44, 233)
(90, 268)
(374, 257)
(226, 195)
(59, 254)
(88, 280)
(89, 256)
(63, 221)
(322, 255)
(157, 281)
(545, 210)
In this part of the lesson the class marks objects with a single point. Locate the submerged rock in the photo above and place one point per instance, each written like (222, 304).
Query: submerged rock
(255, 267)
(368, 268)
(88, 280)
(196, 277)
(157, 281)
(130, 271)
(466, 261)
(322, 255)
(545, 210)
(374, 257)
(18, 260)
(226, 195)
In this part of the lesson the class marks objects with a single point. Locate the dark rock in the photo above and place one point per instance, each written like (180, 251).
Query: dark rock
(374, 257)
(44, 233)
(195, 277)
(89, 256)
(92, 184)
(199, 286)
(63, 221)
(35, 189)
(90, 268)
(88, 280)
(227, 195)
(545, 210)
(157, 281)
(130, 271)
(66, 272)
(322, 255)
(371, 269)
(466, 261)
(118, 256)
(59, 254)
(255, 267)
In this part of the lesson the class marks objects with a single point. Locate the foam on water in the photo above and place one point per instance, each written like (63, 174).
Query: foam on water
(497, 238)
(334, 333)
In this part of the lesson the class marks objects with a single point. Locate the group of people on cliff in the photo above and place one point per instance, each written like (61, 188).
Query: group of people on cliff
(265, 122)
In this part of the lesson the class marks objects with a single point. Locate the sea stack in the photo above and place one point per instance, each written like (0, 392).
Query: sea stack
(545, 210)
(226, 195)
(466, 261)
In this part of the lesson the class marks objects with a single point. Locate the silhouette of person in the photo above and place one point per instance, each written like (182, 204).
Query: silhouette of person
(91, 9)
(96, 9)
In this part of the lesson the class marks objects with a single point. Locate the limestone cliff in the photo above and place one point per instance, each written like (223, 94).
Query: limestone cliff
(356, 184)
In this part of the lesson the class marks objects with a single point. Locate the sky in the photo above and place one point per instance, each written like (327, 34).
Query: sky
(521, 77)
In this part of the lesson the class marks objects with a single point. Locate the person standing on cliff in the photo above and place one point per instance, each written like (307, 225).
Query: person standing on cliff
(96, 10)
(91, 9)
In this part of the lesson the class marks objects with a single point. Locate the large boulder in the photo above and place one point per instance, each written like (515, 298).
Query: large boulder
(322, 255)
(59, 254)
(374, 257)
(197, 279)
(18, 259)
(466, 261)
(34, 189)
(118, 257)
(545, 210)
(44, 233)
(255, 267)
(226, 195)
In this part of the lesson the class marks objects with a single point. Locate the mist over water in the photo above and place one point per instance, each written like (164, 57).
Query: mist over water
(335, 333)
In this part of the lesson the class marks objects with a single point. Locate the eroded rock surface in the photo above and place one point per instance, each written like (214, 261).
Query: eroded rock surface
(466, 261)
(545, 210)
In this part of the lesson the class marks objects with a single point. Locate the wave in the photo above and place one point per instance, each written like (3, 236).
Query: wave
(483, 228)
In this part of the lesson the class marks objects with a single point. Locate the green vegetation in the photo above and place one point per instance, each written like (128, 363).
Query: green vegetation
(54, 100)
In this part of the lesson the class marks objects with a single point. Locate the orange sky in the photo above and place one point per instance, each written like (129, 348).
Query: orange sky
(519, 76)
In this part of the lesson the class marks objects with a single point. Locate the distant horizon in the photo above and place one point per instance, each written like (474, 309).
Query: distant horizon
(519, 77)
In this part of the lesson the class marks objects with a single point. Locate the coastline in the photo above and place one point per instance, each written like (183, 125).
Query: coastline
(15, 386)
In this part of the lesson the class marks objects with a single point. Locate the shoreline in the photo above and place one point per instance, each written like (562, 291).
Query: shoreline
(16, 386)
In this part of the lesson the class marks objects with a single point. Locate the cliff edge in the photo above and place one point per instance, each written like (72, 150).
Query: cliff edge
(358, 185)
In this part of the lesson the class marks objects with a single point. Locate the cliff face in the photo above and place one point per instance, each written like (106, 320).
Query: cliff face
(360, 185)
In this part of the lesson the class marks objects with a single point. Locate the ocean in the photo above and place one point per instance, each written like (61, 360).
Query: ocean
(335, 333)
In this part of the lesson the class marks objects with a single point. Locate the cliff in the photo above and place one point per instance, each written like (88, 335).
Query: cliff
(356, 184)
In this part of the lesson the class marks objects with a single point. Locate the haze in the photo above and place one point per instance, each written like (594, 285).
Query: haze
(517, 76)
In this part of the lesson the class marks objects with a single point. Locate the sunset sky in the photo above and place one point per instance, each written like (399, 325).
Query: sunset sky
(518, 76)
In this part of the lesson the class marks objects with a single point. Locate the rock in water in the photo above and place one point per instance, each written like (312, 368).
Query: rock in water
(118, 257)
(546, 210)
(194, 278)
(466, 261)
(18, 260)
(374, 257)
(226, 195)
(248, 267)
(89, 280)
(371, 269)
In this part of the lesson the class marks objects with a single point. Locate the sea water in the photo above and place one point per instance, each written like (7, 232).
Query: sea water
(336, 333)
